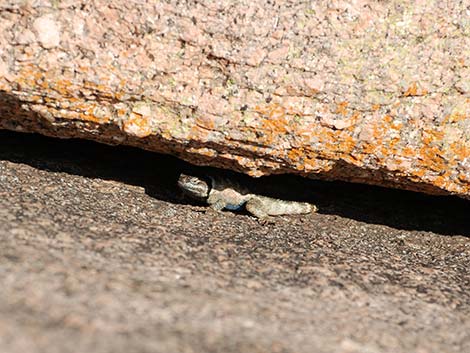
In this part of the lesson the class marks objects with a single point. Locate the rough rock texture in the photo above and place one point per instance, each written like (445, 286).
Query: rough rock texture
(99, 254)
(366, 91)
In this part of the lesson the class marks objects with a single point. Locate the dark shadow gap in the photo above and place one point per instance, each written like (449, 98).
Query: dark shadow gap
(157, 174)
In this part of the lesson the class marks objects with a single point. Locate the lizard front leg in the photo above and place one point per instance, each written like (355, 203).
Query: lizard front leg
(218, 205)
(216, 202)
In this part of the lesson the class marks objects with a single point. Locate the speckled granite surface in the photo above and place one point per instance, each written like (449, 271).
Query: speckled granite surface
(365, 91)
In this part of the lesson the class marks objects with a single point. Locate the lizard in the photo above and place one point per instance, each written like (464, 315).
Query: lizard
(224, 193)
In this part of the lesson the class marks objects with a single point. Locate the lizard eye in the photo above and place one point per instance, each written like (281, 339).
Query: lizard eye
(193, 186)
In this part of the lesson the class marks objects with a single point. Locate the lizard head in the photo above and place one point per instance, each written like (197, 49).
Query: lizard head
(194, 186)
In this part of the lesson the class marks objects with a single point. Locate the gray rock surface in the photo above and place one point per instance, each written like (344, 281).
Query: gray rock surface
(99, 253)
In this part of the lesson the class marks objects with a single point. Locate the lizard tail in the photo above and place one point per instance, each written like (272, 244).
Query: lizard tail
(275, 207)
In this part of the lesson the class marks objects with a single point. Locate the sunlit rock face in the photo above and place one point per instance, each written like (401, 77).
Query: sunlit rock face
(371, 91)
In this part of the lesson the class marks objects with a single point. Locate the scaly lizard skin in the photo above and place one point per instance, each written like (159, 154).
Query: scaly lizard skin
(222, 193)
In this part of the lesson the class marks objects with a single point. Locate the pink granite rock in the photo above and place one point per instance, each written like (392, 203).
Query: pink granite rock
(364, 91)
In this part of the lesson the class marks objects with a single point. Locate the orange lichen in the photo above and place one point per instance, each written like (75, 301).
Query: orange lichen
(420, 173)
(91, 118)
(295, 154)
(390, 123)
(464, 178)
(274, 121)
(387, 119)
(459, 150)
(367, 148)
(342, 108)
(428, 155)
(277, 127)
(430, 136)
(393, 142)
(353, 121)
(408, 152)
(432, 157)
(413, 91)
(138, 125)
(441, 181)
(208, 152)
(396, 125)
(455, 117)
(346, 143)
(62, 86)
